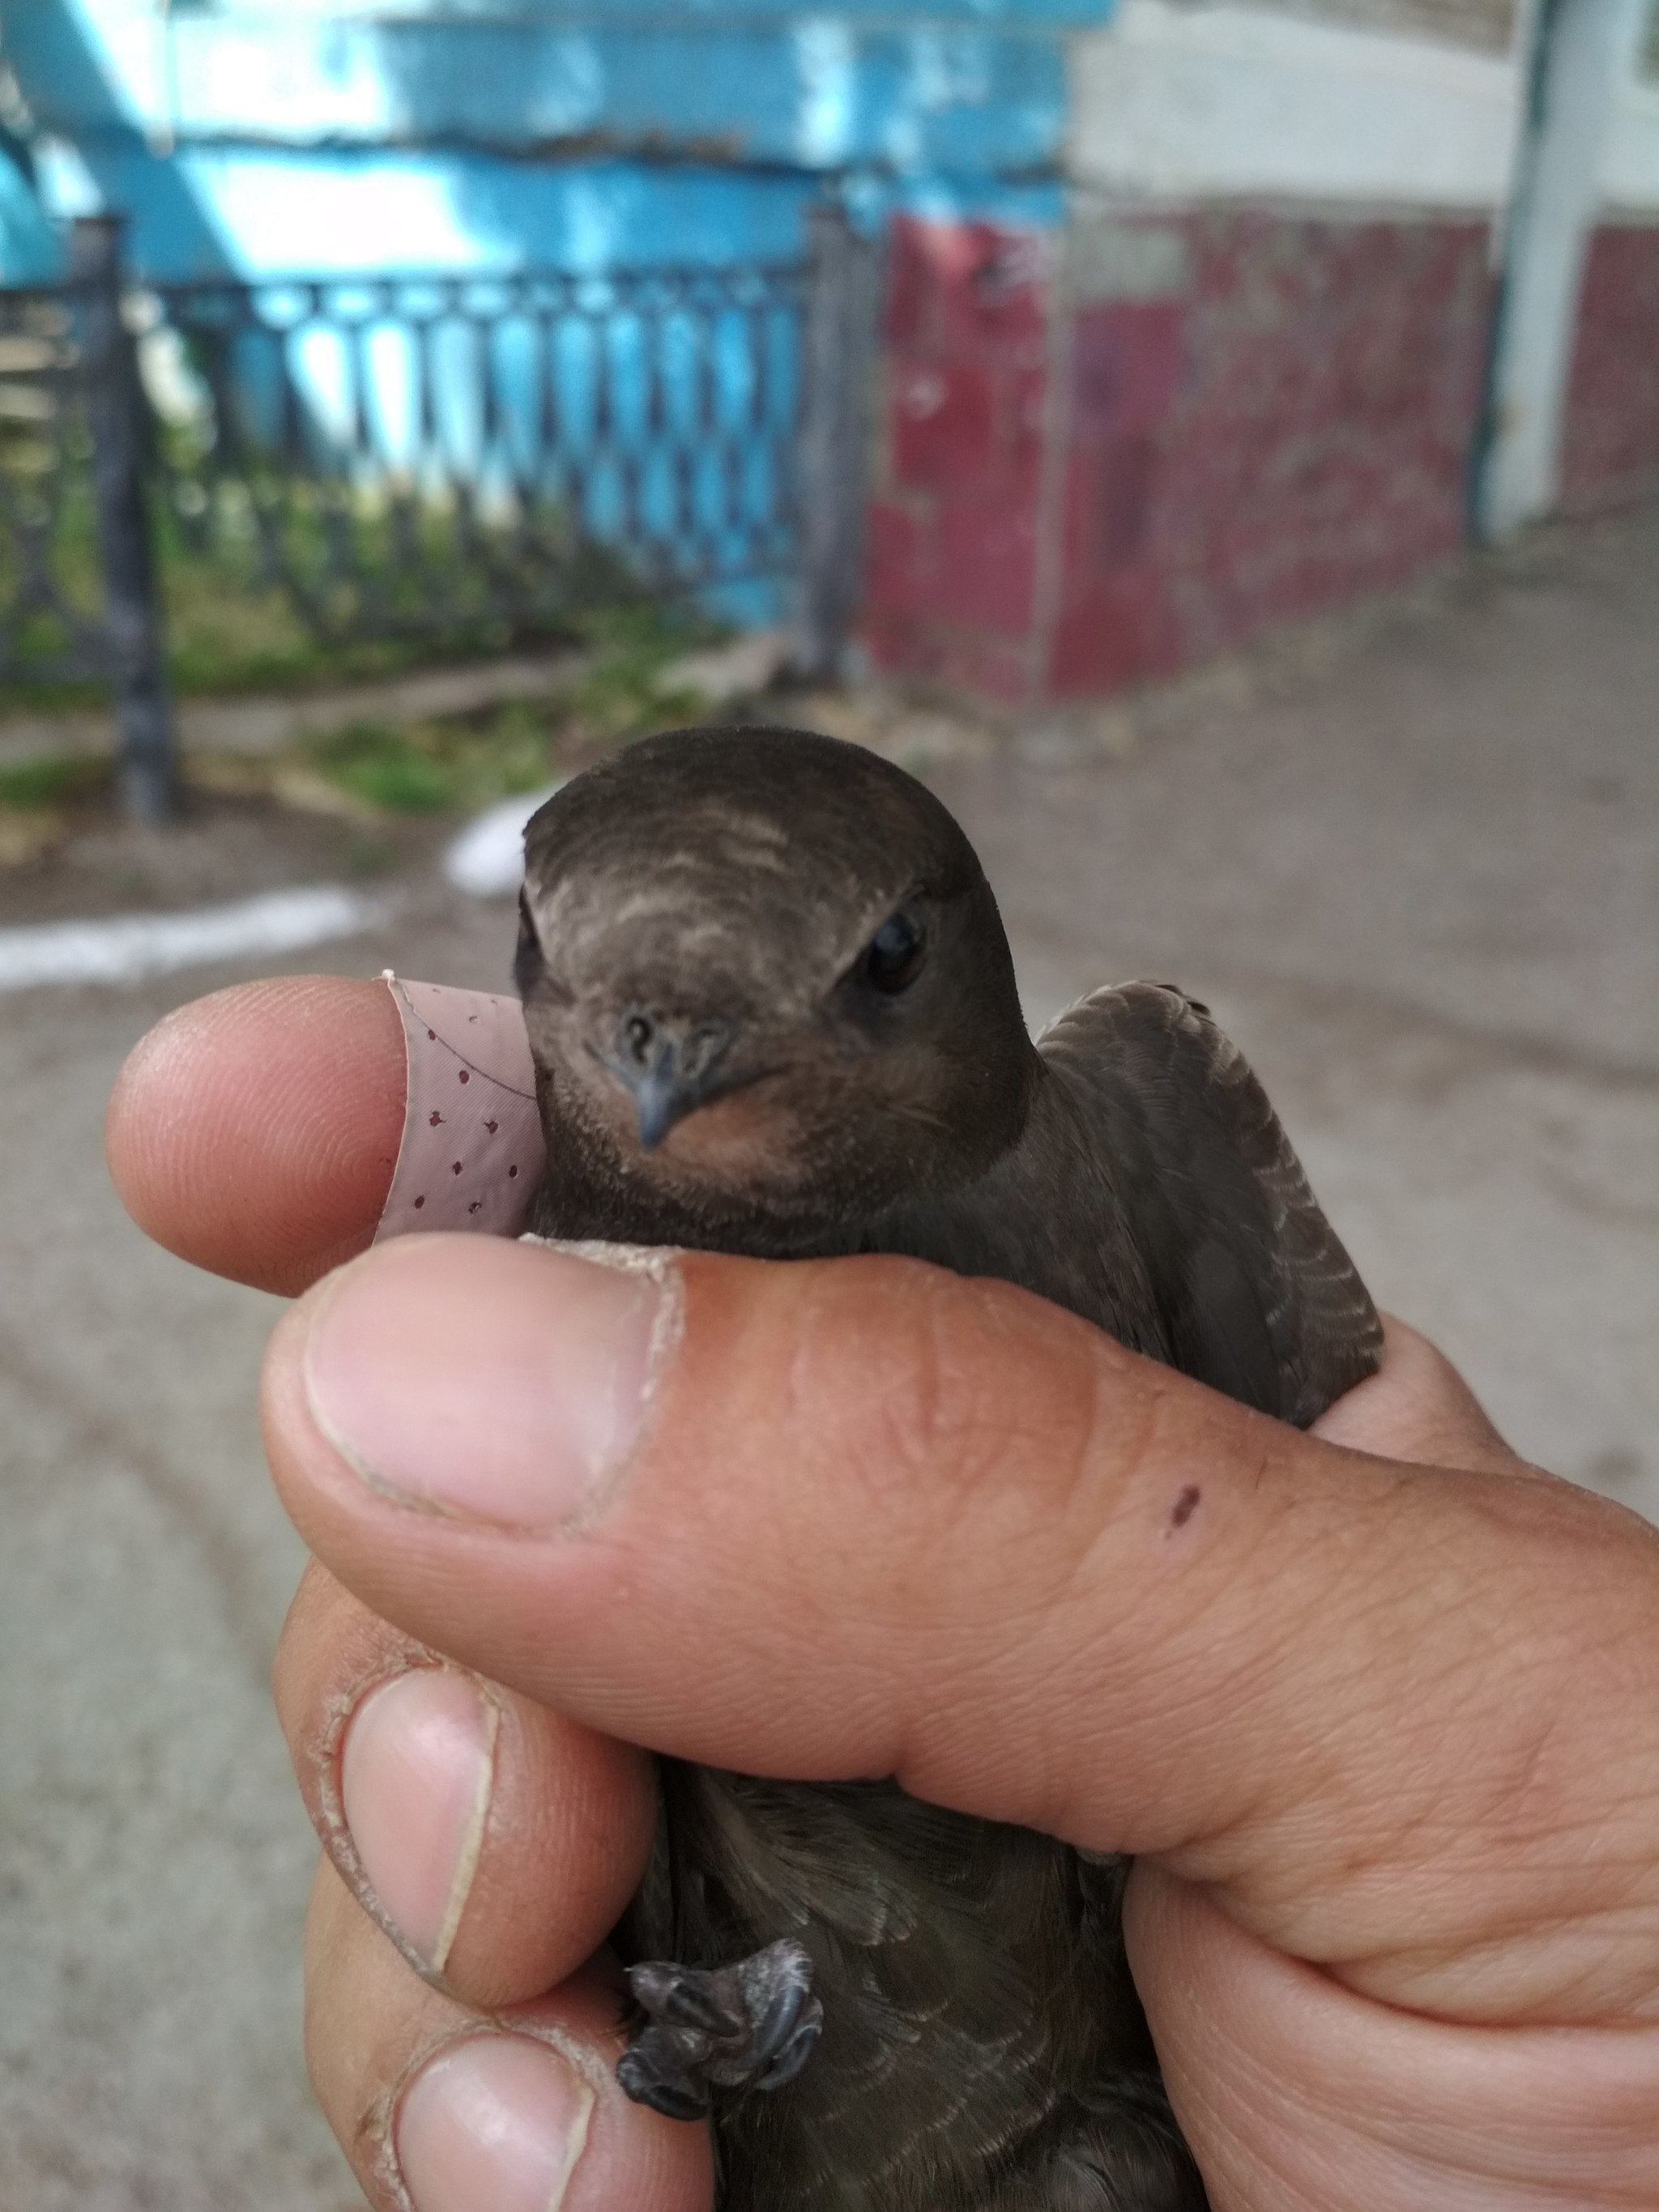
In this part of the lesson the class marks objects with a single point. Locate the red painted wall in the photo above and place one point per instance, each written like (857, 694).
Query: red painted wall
(1610, 435)
(1264, 416)
(953, 529)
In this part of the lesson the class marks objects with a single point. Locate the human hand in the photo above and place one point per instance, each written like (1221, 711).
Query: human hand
(1376, 1708)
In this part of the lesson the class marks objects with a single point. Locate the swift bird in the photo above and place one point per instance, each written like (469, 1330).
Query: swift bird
(773, 1012)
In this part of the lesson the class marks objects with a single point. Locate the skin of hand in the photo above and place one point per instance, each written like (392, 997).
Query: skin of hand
(1377, 1708)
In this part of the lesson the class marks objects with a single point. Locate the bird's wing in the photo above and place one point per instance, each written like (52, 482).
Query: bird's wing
(1257, 1296)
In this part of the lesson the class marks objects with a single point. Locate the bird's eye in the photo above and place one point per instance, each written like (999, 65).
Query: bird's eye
(892, 959)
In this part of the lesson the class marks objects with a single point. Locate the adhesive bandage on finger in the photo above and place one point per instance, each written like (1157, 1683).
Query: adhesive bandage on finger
(471, 1152)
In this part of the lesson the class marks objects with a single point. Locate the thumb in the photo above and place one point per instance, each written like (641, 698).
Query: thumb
(864, 1517)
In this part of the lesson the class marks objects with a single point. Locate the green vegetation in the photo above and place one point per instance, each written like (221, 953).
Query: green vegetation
(226, 632)
(351, 561)
(226, 636)
(357, 563)
(625, 690)
(424, 768)
(35, 798)
(373, 769)
(55, 780)
(432, 767)
(448, 586)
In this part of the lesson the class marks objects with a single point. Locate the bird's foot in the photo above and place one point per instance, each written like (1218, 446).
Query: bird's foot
(751, 2025)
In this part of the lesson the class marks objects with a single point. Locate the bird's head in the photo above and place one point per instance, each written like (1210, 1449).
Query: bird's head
(764, 967)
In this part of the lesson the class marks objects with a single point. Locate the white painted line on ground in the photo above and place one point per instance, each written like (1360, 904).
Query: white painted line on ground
(127, 947)
(487, 858)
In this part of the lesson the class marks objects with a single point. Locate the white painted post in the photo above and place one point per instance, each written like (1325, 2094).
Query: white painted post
(1585, 50)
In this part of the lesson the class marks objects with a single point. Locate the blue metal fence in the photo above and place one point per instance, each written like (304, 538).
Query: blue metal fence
(447, 454)
(459, 460)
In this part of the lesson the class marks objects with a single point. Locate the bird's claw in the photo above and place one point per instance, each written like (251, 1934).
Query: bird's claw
(751, 2025)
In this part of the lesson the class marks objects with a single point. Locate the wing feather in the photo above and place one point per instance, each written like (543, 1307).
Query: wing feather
(1257, 1295)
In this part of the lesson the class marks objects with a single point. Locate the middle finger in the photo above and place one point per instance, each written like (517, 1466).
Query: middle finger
(496, 1842)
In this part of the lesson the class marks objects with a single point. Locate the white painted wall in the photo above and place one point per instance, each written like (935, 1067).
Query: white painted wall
(1180, 103)
(1630, 157)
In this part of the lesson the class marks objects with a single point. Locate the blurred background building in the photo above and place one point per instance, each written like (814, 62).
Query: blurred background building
(1196, 316)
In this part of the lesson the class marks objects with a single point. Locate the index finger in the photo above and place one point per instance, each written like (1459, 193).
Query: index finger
(255, 1133)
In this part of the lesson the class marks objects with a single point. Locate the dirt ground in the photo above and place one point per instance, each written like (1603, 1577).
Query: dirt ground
(1409, 858)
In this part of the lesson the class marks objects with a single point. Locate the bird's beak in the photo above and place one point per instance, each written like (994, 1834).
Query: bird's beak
(662, 1096)
(669, 1081)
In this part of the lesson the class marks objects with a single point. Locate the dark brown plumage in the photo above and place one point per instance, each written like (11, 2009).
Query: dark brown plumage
(773, 1012)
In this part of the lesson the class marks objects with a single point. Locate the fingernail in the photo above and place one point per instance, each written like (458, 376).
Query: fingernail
(496, 1382)
(416, 1770)
(496, 2121)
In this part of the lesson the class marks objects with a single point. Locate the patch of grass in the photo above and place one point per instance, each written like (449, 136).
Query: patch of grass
(357, 559)
(384, 767)
(225, 637)
(432, 767)
(459, 766)
(55, 780)
(624, 693)
(226, 633)
(229, 629)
